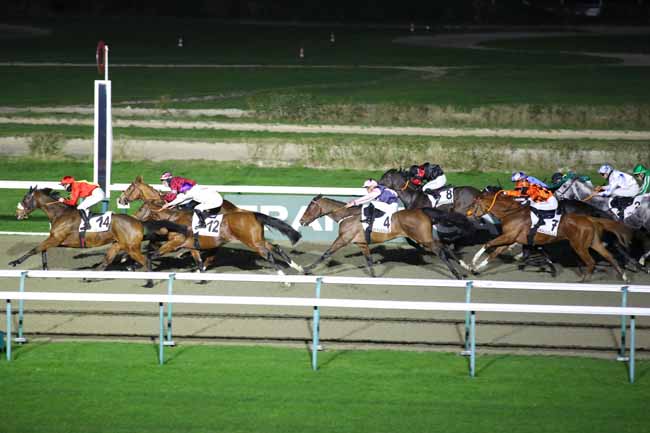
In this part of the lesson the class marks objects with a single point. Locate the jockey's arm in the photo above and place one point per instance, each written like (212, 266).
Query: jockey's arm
(74, 196)
(180, 198)
(514, 193)
(365, 199)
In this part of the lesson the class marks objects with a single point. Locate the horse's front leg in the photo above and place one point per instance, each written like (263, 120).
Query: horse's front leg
(365, 249)
(339, 243)
(41, 248)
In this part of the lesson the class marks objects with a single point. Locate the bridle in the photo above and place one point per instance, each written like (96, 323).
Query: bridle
(470, 212)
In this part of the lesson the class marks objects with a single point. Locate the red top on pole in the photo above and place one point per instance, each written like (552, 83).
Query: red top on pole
(101, 57)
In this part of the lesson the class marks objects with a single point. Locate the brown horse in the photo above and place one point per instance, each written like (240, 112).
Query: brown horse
(582, 232)
(237, 225)
(415, 224)
(139, 190)
(126, 233)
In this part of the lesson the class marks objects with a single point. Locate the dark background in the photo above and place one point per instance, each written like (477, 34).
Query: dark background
(432, 12)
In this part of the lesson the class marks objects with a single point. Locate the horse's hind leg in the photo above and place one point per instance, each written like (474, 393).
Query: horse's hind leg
(583, 253)
(280, 252)
(600, 249)
(365, 249)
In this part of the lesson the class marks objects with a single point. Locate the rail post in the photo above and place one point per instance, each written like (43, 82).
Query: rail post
(621, 354)
(170, 284)
(472, 358)
(20, 339)
(161, 335)
(468, 299)
(8, 348)
(632, 348)
(316, 328)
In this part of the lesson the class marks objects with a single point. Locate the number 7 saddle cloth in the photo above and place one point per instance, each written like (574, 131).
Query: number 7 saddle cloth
(550, 224)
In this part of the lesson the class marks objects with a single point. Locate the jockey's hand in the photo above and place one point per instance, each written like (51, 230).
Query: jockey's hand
(61, 199)
(349, 204)
(598, 188)
(165, 206)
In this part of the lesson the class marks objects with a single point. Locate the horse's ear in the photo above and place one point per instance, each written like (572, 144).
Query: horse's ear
(33, 188)
(318, 197)
(139, 179)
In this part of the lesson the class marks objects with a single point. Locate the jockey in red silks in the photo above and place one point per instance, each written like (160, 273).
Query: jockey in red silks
(91, 194)
(177, 185)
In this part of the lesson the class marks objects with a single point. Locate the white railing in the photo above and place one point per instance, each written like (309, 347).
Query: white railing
(235, 189)
(470, 308)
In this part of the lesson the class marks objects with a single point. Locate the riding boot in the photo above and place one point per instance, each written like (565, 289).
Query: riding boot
(85, 220)
(533, 230)
(201, 216)
(370, 220)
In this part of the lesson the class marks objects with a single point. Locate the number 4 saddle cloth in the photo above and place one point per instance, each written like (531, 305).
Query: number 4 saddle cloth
(99, 223)
(382, 222)
(550, 224)
(212, 225)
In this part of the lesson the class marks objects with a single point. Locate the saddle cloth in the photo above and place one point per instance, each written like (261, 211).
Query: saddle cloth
(99, 223)
(382, 223)
(632, 207)
(550, 224)
(446, 197)
(212, 225)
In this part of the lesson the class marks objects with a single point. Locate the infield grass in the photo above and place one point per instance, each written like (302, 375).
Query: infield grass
(119, 387)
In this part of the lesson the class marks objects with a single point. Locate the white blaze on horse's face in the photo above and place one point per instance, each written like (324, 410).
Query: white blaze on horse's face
(20, 206)
(21, 212)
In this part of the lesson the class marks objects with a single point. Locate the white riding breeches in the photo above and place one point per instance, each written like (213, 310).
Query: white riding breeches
(95, 197)
(207, 198)
(550, 204)
(385, 207)
(436, 183)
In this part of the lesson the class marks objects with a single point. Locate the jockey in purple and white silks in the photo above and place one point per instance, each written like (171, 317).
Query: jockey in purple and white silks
(209, 200)
(520, 175)
(622, 187)
(380, 197)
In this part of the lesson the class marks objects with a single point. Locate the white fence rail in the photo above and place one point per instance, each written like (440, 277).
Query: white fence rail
(235, 189)
(470, 308)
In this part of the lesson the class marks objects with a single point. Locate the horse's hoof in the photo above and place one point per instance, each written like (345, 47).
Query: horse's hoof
(202, 282)
(149, 284)
(13, 263)
(642, 261)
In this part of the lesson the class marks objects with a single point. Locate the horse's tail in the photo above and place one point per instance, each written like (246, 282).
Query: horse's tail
(623, 233)
(152, 227)
(284, 228)
(450, 219)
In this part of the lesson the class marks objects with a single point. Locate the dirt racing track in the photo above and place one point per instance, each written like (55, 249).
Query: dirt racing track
(340, 328)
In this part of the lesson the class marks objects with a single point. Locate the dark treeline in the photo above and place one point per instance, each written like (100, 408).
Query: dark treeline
(434, 12)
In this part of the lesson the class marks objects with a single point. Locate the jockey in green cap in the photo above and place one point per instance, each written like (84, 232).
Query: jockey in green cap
(642, 174)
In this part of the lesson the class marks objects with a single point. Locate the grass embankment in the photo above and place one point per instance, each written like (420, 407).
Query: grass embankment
(107, 387)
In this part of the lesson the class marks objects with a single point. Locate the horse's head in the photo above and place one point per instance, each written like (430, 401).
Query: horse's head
(313, 211)
(487, 202)
(132, 193)
(27, 204)
(397, 179)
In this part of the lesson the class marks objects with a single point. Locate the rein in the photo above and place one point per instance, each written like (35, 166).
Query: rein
(494, 200)
(406, 185)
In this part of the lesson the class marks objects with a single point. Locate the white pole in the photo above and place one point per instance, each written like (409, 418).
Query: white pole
(106, 62)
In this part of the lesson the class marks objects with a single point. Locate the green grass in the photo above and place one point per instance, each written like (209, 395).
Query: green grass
(118, 387)
(635, 44)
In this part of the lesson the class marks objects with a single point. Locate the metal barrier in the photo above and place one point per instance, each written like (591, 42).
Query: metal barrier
(468, 307)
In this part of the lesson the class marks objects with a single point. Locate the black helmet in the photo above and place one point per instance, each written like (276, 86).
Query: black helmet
(557, 177)
(433, 171)
(413, 171)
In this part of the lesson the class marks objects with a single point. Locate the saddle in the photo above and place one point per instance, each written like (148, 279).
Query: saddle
(372, 212)
(621, 202)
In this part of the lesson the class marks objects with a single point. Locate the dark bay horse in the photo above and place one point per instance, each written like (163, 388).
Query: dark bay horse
(414, 198)
(126, 233)
(582, 232)
(243, 226)
(415, 224)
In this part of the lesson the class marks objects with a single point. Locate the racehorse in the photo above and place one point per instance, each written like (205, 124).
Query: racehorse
(582, 232)
(414, 198)
(126, 233)
(139, 190)
(415, 224)
(244, 226)
(575, 189)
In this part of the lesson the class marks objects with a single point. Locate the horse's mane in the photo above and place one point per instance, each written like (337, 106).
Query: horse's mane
(54, 195)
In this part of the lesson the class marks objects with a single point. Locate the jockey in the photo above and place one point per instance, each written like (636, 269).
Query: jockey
(620, 186)
(542, 203)
(520, 175)
(560, 179)
(91, 194)
(430, 177)
(209, 200)
(380, 197)
(177, 185)
(643, 174)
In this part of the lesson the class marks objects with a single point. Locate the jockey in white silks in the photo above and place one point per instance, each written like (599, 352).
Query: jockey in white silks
(622, 187)
(379, 197)
(209, 200)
